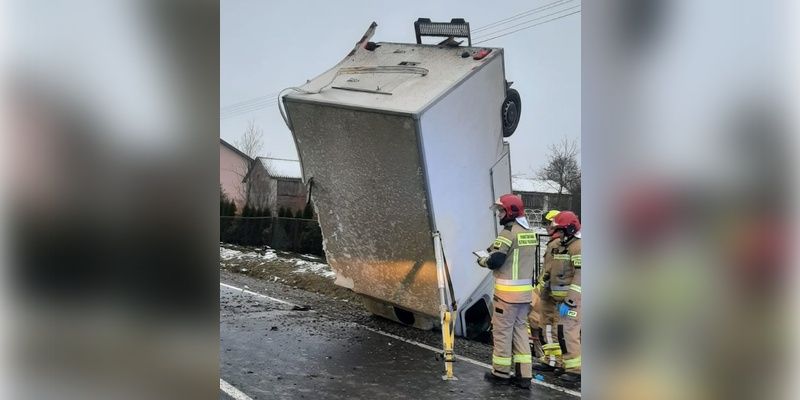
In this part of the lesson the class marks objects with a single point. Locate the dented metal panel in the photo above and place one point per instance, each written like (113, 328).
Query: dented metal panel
(371, 200)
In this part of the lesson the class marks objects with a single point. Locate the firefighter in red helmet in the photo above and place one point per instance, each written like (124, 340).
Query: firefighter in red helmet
(564, 285)
(511, 259)
(544, 315)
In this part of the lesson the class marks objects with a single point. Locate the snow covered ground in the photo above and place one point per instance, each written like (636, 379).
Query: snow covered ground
(251, 257)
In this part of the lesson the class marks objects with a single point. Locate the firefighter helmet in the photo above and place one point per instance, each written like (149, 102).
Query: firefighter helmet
(568, 222)
(511, 204)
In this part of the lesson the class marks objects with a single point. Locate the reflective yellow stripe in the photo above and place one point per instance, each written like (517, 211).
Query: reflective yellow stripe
(515, 288)
(506, 361)
(552, 349)
(575, 288)
(558, 293)
(573, 362)
(527, 239)
(576, 260)
(515, 265)
(561, 257)
(503, 240)
(523, 358)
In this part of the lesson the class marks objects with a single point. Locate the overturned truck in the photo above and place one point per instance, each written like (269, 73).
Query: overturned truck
(396, 142)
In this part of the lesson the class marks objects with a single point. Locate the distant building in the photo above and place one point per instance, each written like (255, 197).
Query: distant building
(541, 195)
(233, 165)
(276, 183)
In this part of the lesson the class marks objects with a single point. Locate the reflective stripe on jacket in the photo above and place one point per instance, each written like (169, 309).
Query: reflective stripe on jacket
(514, 279)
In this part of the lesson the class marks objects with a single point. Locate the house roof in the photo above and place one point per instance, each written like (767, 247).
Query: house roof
(282, 168)
(533, 185)
(235, 150)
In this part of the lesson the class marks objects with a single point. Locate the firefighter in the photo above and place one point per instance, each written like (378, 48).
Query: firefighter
(565, 284)
(511, 259)
(544, 314)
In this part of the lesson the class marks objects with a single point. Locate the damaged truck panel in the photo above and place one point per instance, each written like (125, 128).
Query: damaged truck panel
(370, 196)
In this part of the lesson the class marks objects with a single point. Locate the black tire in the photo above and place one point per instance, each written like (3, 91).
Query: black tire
(510, 112)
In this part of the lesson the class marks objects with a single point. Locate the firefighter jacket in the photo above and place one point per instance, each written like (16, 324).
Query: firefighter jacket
(511, 258)
(544, 275)
(565, 272)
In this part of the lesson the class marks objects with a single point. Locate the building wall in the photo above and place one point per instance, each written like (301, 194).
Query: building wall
(291, 194)
(232, 168)
(270, 193)
(263, 193)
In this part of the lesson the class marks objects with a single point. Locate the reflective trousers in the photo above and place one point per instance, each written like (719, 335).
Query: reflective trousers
(510, 333)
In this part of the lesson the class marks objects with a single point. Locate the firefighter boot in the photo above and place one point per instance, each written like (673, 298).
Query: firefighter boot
(570, 377)
(522, 383)
(496, 380)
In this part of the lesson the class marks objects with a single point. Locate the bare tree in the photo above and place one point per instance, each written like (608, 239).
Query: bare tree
(562, 168)
(249, 143)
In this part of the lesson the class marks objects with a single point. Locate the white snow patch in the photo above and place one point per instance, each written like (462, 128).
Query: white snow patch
(301, 266)
(231, 254)
(304, 266)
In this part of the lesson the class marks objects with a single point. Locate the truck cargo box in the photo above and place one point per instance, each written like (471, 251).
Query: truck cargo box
(399, 141)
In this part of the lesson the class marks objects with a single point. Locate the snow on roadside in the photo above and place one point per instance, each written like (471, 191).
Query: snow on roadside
(227, 254)
(301, 266)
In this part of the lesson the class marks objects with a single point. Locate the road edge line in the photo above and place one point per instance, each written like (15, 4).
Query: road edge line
(232, 391)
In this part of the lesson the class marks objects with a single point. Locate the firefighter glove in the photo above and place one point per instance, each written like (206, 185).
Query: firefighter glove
(563, 309)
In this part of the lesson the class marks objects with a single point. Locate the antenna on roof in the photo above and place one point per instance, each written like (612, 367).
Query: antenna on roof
(457, 27)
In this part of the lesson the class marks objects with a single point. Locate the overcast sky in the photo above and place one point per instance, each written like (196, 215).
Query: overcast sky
(269, 45)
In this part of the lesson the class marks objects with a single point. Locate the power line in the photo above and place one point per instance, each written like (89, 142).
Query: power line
(526, 22)
(521, 15)
(528, 27)
(248, 105)
(251, 107)
(245, 102)
(247, 111)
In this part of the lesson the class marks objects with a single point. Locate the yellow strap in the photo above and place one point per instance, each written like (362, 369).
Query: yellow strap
(523, 358)
(515, 288)
(506, 361)
(573, 362)
(575, 288)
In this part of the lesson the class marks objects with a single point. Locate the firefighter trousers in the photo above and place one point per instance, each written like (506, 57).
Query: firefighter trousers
(510, 333)
(534, 322)
(549, 332)
(570, 326)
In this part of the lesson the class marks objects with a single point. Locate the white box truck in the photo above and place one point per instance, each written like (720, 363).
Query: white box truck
(399, 141)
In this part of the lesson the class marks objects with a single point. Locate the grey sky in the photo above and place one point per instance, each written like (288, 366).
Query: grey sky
(269, 45)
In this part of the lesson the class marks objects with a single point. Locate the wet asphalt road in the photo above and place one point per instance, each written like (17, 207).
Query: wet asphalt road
(270, 350)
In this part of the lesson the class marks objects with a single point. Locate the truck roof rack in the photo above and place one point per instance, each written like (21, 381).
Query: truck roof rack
(457, 27)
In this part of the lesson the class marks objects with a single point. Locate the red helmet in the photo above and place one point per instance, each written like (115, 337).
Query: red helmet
(511, 204)
(568, 222)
